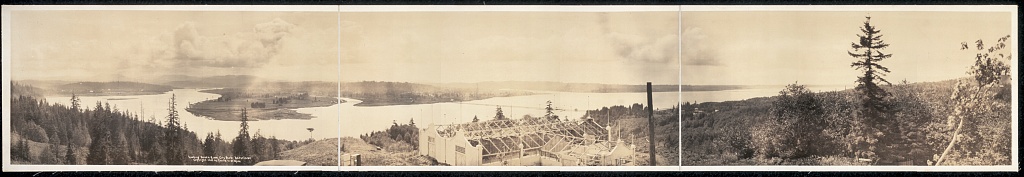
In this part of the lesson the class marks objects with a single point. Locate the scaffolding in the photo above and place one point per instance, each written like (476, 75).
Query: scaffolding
(579, 142)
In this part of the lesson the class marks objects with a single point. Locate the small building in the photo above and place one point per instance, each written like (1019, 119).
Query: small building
(524, 142)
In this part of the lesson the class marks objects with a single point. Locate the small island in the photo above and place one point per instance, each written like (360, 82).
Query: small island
(259, 106)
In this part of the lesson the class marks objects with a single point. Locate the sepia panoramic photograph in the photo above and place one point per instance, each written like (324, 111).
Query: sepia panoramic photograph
(110, 87)
(557, 88)
(510, 88)
(848, 88)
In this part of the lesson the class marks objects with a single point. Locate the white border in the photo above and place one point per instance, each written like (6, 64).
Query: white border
(515, 8)
(6, 16)
(1015, 106)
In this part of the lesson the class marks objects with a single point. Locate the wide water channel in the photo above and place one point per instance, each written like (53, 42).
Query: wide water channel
(345, 119)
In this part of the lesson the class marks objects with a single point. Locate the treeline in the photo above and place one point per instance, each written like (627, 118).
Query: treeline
(629, 123)
(398, 137)
(47, 133)
(605, 114)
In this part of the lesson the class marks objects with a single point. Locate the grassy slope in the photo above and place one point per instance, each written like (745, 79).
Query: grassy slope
(318, 153)
(384, 157)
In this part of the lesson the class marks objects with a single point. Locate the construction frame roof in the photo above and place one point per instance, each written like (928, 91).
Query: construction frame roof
(512, 135)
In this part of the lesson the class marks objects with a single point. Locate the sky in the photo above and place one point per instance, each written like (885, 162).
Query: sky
(578, 47)
(774, 48)
(718, 48)
(143, 45)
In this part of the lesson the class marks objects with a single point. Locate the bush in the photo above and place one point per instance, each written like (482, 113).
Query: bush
(794, 127)
(34, 132)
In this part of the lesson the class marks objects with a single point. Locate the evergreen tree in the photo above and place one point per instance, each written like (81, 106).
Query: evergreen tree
(875, 131)
(120, 151)
(242, 141)
(99, 150)
(499, 115)
(55, 149)
(69, 155)
(20, 150)
(258, 147)
(46, 155)
(210, 147)
(550, 112)
(75, 102)
(275, 148)
(174, 153)
(475, 119)
(156, 155)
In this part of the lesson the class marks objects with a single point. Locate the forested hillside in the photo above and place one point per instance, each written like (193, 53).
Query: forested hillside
(45, 133)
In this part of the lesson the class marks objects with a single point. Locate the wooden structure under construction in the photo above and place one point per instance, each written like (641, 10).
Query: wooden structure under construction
(524, 142)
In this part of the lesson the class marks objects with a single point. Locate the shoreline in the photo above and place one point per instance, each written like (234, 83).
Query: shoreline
(231, 110)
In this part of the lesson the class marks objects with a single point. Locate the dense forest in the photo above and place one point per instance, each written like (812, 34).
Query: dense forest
(45, 133)
(964, 121)
(398, 137)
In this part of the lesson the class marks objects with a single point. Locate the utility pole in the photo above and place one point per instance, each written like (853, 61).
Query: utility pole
(650, 123)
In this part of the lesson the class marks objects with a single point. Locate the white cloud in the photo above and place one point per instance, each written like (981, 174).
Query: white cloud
(696, 48)
(242, 49)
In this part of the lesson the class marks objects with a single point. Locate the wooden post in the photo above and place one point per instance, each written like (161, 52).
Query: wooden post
(650, 124)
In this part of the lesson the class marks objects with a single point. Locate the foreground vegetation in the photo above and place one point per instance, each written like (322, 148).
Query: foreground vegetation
(964, 121)
(45, 133)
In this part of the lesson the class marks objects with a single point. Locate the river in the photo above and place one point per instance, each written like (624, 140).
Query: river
(344, 119)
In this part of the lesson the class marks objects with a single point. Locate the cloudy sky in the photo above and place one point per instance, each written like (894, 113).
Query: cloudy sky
(141, 45)
(585, 47)
(811, 47)
(590, 47)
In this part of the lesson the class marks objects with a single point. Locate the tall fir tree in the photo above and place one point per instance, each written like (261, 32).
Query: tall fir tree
(75, 102)
(499, 115)
(69, 155)
(241, 144)
(55, 149)
(175, 152)
(875, 130)
(549, 112)
(99, 150)
(210, 147)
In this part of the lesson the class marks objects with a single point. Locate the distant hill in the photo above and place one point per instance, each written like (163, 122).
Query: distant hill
(374, 93)
(109, 88)
(42, 83)
(583, 87)
(20, 89)
(227, 81)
